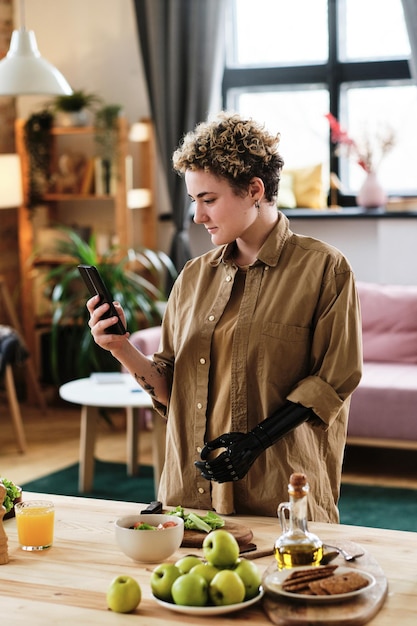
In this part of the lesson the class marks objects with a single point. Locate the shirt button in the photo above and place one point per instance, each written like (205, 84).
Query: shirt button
(200, 490)
(266, 268)
(202, 361)
(211, 318)
(199, 405)
(228, 279)
(198, 449)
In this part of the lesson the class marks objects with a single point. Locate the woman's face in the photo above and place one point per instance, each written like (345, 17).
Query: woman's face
(225, 215)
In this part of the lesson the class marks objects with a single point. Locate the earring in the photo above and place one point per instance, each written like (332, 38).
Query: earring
(258, 207)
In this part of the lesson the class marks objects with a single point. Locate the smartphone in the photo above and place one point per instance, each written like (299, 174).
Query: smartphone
(96, 286)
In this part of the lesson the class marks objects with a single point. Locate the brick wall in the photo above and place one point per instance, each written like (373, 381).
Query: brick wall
(9, 259)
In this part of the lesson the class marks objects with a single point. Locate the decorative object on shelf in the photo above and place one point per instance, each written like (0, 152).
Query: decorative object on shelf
(72, 110)
(136, 281)
(105, 124)
(371, 195)
(37, 139)
(23, 71)
(70, 173)
(368, 154)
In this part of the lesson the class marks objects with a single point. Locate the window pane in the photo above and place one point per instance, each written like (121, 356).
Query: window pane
(298, 115)
(372, 30)
(278, 32)
(369, 112)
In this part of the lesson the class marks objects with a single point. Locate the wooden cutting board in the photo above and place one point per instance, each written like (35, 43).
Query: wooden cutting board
(195, 538)
(358, 610)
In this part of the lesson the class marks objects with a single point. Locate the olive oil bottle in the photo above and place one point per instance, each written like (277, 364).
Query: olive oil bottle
(296, 545)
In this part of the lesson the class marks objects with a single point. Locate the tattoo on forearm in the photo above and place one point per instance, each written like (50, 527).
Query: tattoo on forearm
(160, 369)
(146, 386)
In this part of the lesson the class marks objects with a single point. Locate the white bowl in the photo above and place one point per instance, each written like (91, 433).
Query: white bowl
(149, 546)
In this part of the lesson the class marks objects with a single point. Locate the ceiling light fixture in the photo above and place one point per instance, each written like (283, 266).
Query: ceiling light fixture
(24, 72)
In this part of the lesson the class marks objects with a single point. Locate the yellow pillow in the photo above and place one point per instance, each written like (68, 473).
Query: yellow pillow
(307, 186)
(286, 197)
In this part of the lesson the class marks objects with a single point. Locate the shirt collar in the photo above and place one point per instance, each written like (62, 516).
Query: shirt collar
(270, 251)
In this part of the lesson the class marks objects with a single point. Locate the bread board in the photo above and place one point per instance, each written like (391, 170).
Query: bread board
(195, 538)
(360, 610)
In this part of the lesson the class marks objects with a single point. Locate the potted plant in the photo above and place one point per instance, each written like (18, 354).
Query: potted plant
(136, 281)
(13, 495)
(105, 124)
(71, 110)
(37, 139)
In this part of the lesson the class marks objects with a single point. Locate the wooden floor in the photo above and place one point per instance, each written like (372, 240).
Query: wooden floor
(53, 443)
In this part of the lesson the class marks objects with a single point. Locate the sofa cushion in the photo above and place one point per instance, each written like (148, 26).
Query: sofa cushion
(384, 405)
(389, 322)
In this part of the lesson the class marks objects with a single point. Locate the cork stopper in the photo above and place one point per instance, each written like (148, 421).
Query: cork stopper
(298, 486)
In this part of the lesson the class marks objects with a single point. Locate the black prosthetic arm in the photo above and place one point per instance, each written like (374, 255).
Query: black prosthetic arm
(242, 449)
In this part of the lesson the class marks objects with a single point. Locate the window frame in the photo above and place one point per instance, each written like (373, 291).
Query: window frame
(332, 75)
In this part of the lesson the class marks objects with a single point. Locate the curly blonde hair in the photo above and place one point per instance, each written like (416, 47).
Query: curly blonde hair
(233, 148)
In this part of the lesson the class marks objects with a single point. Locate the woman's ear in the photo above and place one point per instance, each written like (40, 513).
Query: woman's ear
(256, 188)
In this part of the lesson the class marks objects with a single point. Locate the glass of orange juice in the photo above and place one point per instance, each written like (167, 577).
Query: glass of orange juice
(35, 524)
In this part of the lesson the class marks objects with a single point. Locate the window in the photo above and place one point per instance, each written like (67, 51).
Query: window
(293, 61)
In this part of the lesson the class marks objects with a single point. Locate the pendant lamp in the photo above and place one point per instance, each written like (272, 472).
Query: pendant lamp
(24, 72)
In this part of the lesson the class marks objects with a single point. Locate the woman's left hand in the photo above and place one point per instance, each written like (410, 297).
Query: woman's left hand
(232, 464)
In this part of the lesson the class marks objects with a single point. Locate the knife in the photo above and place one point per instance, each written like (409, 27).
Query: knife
(153, 507)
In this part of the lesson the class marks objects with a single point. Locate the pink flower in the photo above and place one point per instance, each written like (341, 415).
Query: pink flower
(364, 153)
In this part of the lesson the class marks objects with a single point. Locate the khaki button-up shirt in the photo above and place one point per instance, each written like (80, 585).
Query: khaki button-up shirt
(297, 337)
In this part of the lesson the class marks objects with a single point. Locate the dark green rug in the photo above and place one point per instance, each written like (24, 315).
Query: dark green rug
(111, 482)
(378, 507)
(360, 505)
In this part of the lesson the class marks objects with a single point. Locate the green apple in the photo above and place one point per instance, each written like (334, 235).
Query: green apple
(123, 594)
(190, 590)
(187, 562)
(206, 570)
(162, 579)
(251, 577)
(221, 548)
(227, 588)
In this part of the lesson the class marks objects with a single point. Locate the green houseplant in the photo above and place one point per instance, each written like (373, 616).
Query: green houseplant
(136, 281)
(105, 136)
(71, 110)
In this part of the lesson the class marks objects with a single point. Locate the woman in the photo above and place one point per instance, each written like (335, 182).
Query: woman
(260, 347)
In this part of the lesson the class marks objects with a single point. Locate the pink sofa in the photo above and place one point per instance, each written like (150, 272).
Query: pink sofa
(384, 406)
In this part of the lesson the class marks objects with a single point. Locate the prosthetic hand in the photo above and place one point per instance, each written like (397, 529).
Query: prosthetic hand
(243, 449)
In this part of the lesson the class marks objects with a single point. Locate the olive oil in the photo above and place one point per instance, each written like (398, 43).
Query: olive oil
(294, 555)
(296, 546)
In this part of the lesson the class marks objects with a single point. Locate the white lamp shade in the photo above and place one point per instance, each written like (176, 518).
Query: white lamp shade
(25, 72)
(10, 181)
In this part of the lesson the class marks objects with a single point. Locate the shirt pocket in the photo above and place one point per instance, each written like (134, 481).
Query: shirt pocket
(284, 354)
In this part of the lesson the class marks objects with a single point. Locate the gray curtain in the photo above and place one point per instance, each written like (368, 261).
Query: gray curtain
(182, 45)
(410, 15)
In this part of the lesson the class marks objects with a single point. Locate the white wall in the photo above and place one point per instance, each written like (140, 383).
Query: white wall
(94, 44)
(380, 250)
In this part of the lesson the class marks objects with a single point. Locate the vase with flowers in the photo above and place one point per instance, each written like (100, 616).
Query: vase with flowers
(368, 154)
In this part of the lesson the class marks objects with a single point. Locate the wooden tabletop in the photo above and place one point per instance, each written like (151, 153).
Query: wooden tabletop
(67, 584)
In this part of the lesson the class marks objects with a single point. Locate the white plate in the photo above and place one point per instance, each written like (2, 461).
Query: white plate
(209, 610)
(273, 583)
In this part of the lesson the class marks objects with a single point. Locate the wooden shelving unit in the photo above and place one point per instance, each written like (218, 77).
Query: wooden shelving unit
(97, 212)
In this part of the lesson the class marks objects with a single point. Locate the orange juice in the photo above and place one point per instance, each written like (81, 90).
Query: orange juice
(35, 524)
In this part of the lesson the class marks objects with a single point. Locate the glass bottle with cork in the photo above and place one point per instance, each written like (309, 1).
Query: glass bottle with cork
(296, 546)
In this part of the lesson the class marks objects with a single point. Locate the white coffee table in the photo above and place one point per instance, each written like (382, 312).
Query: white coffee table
(110, 391)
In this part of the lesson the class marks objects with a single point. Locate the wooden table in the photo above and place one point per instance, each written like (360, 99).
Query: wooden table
(67, 584)
(120, 390)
